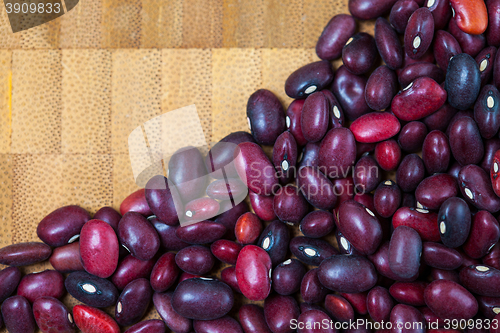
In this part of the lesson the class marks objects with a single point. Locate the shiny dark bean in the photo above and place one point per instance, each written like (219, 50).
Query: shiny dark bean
(454, 221)
(108, 215)
(311, 251)
(388, 154)
(46, 283)
(310, 318)
(24, 254)
(450, 300)
(287, 277)
(334, 36)
(380, 260)
(168, 239)
(308, 79)
(201, 233)
(350, 274)
(349, 89)
(410, 172)
(225, 323)
(314, 117)
(138, 235)
(252, 319)
(336, 118)
(316, 188)
(408, 74)
(423, 221)
(375, 127)
(402, 314)
(405, 250)
(410, 293)
(439, 256)
(262, 206)
(439, 120)
(133, 302)
(390, 50)
(293, 121)
(266, 116)
(379, 303)
(344, 187)
(337, 153)
(91, 290)
(484, 234)
(487, 111)
(226, 251)
(225, 189)
(482, 280)
(441, 274)
(160, 198)
(285, 157)
(485, 60)
(367, 175)
(339, 308)
(468, 261)
(253, 272)
(400, 13)
(359, 53)
(387, 198)
(228, 276)
(164, 273)
(463, 81)
(358, 301)
(435, 190)
(445, 46)
(9, 280)
(174, 321)
(412, 135)
(436, 152)
(317, 224)
(195, 259)
(148, 326)
(419, 33)
(51, 315)
(17, 315)
(470, 44)
(493, 32)
(493, 257)
(441, 11)
(311, 289)
(369, 9)
(62, 225)
(489, 306)
(290, 205)
(274, 240)
(381, 88)
(475, 186)
(465, 141)
(280, 311)
(131, 268)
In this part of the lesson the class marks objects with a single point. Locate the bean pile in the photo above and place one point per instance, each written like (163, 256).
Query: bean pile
(399, 164)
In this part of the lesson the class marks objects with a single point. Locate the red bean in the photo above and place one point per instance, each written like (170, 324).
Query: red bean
(358, 301)
(317, 189)
(108, 215)
(17, 315)
(62, 225)
(317, 224)
(200, 209)
(402, 314)
(201, 233)
(190, 181)
(280, 311)
(439, 120)
(445, 47)
(91, 290)
(168, 239)
(436, 152)
(441, 257)
(314, 117)
(252, 319)
(224, 323)
(419, 69)
(285, 157)
(228, 276)
(23, 254)
(293, 121)
(195, 259)
(419, 33)
(471, 16)
(334, 36)
(310, 318)
(91, 320)
(375, 127)
(380, 260)
(131, 268)
(287, 277)
(485, 60)
(424, 222)
(51, 315)
(410, 172)
(262, 206)
(253, 272)
(367, 175)
(163, 200)
(225, 189)
(388, 154)
(493, 258)
(148, 326)
(9, 280)
(349, 274)
(290, 205)
(359, 53)
(339, 308)
(311, 289)
(379, 304)
(274, 240)
(493, 32)
(475, 186)
(248, 228)
(369, 9)
(349, 89)
(387, 198)
(337, 152)
(405, 250)
(336, 118)
(136, 202)
(484, 234)
(311, 251)
(448, 299)
(482, 280)
(174, 321)
(266, 116)
(308, 79)
(441, 274)
(401, 12)
(165, 273)
(381, 88)
(138, 235)
(389, 48)
(435, 190)
(410, 293)
(487, 111)
(226, 250)
(46, 283)
(470, 44)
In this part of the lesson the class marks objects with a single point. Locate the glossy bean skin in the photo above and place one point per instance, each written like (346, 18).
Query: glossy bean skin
(424, 222)
(131, 268)
(290, 205)
(168, 240)
(317, 224)
(408, 74)
(311, 251)
(441, 274)
(91, 290)
(405, 250)
(262, 206)
(367, 9)
(410, 172)
(375, 127)
(402, 314)
(339, 308)
(391, 51)
(279, 312)
(17, 315)
(314, 117)
(195, 259)
(133, 302)
(226, 251)
(367, 175)
(435, 190)
(138, 235)
(224, 189)
(253, 272)
(174, 321)
(421, 98)
(448, 299)
(310, 318)
(201, 233)
(164, 273)
(439, 256)
(471, 16)
(439, 120)
(287, 277)
(470, 44)
(359, 53)
(481, 280)
(410, 293)
(419, 33)
(334, 36)
(358, 301)
(401, 12)
(248, 228)
(441, 11)
(379, 303)
(465, 141)
(388, 154)
(224, 323)
(337, 152)
(136, 202)
(252, 319)
(46, 283)
(254, 168)
(387, 198)
(454, 221)
(160, 198)
(311, 289)
(488, 306)
(493, 32)
(222, 154)
(108, 215)
(436, 152)
(266, 116)
(475, 186)
(308, 79)
(57, 228)
(285, 156)
(24, 254)
(380, 260)
(228, 276)
(487, 111)
(148, 326)
(349, 89)
(274, 240)
(52, 316)
(91, 320)
(463, 81)
(293, 121)
(445, 47)
(336, 118)
(493, 257)
(381, 88)
(316, 188)
(9, 280)
(485, 60)
(349, 274)
(484, 234)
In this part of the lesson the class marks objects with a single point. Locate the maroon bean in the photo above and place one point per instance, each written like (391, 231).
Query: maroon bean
(493, 258)
(427, 57)
(293, 121)
(308, 322)
(359, 53)
(436, 152)
(405, 250)
(375, 127)
(253, 272)
(317, 224)
(108, 215)
(334, 36)
(367, 175)
(311, 290)
(482, 280)
(266, 116)
(485, 60)
(262, 206)
(51, 315)
(200, 209)
(349, 89)
(344, 187)
(164, 273)
(436, 189)
(195, 259)
(470, 44)
(381, 88)
(387, 198)
(317, 189)
(412, 135)
(489, 306)
(148, 326)
(484, 234)
(46, 283)
(290, 205)
(62, 225)
(285, 156)
(345, 247)
(421, 98)
(413, 71)
(487, 111)
(336, 118)
(222, 154)
(287, 277)
(465, 141)
(369, 9)
(216, 325)
(168, 239)
(225, 189)
(228, 276)
(358, 301)
(280, 311)
(252, 319)
(201, 233)
(314, 117)
(445, 45)
(410, 172)
(131, 268)
(339, 308)
(410, 293)
(24, 254)
(380, 260)
(392, 54)
(133, 302)
(450, 300)
(308, 79)
(138, 235)
(337, 152)
(439, 256)
(475, 186)
(349, 274)
(174, 321)
(402, 314)
(463, 81)
(424, 222)
(439, 120)
(274, 240)
(419, 33)
(441, 11)
(454, 222)
(136, 202)
(441, 274)
(311, 251)
(9, 280)
(17, 315)
(91, 290)
(388, 154)
(163, 200)
(493, 32)
(401, 12)
(379, 303)
(66, 259)
(226, 250)
(363, 148)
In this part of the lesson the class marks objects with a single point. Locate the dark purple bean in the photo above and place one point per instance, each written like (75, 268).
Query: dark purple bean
(317, 224)
(389, 47)
(436, 189)
(405, 250)
(9, 280)
(266, 116)
(315, 116)
(195, 259)
(496, 71)
(317, 189)
(465, 141)
(91, 290)
(408, 200)
(225, 189)
(174, 321)
(293, 121)
(133, 302)
(454, 221)
(202, 299)
(228, 276)
(311, 251)
(423, 221)
(336, 118)
(334, 36)
(412, 135)
(24, 254)
(475, 186)
(441, 11)
(413, 71)
(345, 247)
(485, 60)
(381, 88)
(311, 290)
(419, 33)
(287, 277)
(439, 120)
(252, 319)
(463, 81)
(160, 195)
(186, 169)
(348, 274)
(493, 32)
(138, 235)
(380, 260)
(309, 322)
(359, 53)
(201, 233)
(274, 239)
(441, 274)
(131, 268)
(308, 79)
(403, 314)
(366, 174)
(262, 206)
(410, 293)
(387, 198)
(441, 257)
(379, 303)
(17, 315)
(225, 323)
(164, 273)
(51, 315)
(487, 111)
(484, 234)
(290, 205)
(62, 225)
(470, 44)
(436, 152)
(168, 239)
(349, 89)
(222, 154)
(285, 157)
(337, 153)
(489, 306)
(339, 308)
(148, 326)
(410, 172)
(46, 283)
(450, 300)
(369, 9)
(493, 257)
(280, 311)
(445, 47)
(482, 280)
(401, 12)
(108, 215)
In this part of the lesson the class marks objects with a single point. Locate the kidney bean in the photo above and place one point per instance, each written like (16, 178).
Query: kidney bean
(410, 293)
(493, 31)
(436, 152)
(465, 141)
(138, 235)
(470, 44)
(9, 280)
(441, 257)
(174, 321)
(345, 247)
(168, 240)
(91, 320)
(228, 276)
(401, 314)
(441, 274)
(488, 306)
(317, 224)
(380, 260)
(454, 222)
(401, 12)
(441, 11)
(485, 60)
(17, 315)
(482, 280)
(436, 189)
(317, 189)
(225, 189)
(262, 206)
(46, 283)
(445, 45)
(493, 257)
(418, 33)
(51, 315)
(195, 259)
(339, 308)
(62, 225)
(379, 304)
(405, 250)
(369, 9)
(496, 71)
(226, 250)
(201, 232)
(136, 202)
(24, 254)
(336, 118)
(388, 155)
(311, 290)
(468, 261)
(349, 274)
(487, 111)
(201, 209)
(274, 240)
(471, 16)
(349, 89)
(222, 154)
(164, 273)
(253, 272)
(358, 301)
(421, 98)
(163, 200)
(476, 188)
(387, 198)
(148, 326)
(381, 88)
(108, 215)
(463, 81)
(287, 277)
(359, 53)
(91, 290)
(375, 127)
(334, 36)
(448, 299)
(266, 116)
(366, 174)
(392, 53)
(279, 312)
(131, 268)
(293, 121)
(484, 234)
(290, 205)
(308, 322)
(419, 69)
(424, 222)
(410, 172)
(308, 79)
(224, 323)
(252, 319)
(311, 251)
(315, 117)
(285, 157)
(133, 302)
(337, 152)
(248, 228)
(439, 120)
